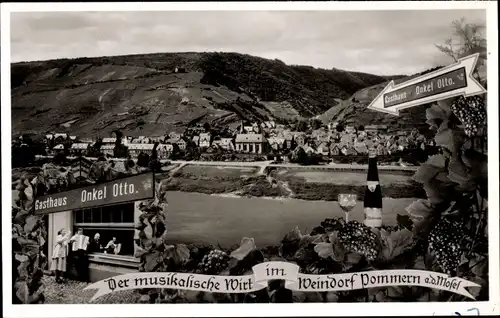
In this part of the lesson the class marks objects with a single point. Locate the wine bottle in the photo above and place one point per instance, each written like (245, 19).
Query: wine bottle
(373, 194)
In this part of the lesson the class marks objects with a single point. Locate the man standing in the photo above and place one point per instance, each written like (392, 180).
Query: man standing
(80, 255)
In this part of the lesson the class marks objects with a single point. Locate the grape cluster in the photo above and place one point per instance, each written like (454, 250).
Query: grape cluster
(214, 262)
(471, 111)
(332, 224)
(357, 237)
(445, 241)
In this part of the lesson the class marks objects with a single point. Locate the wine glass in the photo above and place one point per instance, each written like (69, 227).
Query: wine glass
(347, 202)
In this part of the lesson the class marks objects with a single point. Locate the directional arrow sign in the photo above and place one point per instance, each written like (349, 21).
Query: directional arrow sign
(453, 80)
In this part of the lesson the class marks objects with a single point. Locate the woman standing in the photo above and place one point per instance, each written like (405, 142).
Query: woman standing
(58, 264)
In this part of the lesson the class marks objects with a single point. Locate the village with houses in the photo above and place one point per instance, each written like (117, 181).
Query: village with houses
(247, 142)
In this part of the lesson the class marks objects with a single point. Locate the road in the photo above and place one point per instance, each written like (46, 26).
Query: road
(264, 164)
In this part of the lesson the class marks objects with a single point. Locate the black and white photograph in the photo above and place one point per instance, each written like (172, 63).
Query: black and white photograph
(250, 153)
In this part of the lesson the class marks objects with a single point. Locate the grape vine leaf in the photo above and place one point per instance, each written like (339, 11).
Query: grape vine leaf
(293, 235)
(246, 246)
(308, 239)
(438, 192)
(428, 170)
(324, 249)
(179, 253)
(395, 243)
(436, 114)
(139, 251)
(151, 261)
(459, 174)
(419, 211)
(32, 223)
(22, 291)
(444, 137)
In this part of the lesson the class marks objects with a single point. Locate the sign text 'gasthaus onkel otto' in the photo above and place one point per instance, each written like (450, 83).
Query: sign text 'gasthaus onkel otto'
(451, 81)
(138, 187)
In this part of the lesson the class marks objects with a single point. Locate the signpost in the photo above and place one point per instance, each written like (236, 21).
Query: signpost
(451, 81)
(138, 187)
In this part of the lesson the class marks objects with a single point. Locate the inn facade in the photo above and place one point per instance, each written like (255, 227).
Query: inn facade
(112, 214)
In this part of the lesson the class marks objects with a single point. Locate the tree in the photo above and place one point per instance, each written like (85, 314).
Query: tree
(120, 151)
(467, 37)
(206, 126)
(316, 123)
(299, 156)
(339, 128)
(143, 160)
(361, 128)
(302, 126)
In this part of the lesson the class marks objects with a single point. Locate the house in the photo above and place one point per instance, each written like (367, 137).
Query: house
(299, 138)
(57, 149)
(350, 130)
(323, 149)
(276, 143)
(86, 140)
(205, 140)
(334, 150)
(79, 149)
(157, 139)
(135, 149)
(173, 140)
(227, 144)
(216, 142)
(332, 125)
(308, 149)
(369, 143)
(348, 151)
(164, 150)
(347, 138)
(108, 140)
(81, 168)
(256, 127)
(361, 148)
(248, 129)
(60, 138)
(196, 140)
(376, 128)
(381, 150)
(181, 143)
(60, 135)
(108, 149)
(213, 148)
(250, 143)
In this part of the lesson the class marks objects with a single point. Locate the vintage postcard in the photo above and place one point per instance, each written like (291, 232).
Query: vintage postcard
(250, 159)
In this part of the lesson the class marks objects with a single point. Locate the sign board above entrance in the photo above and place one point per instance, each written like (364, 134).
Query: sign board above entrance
(138, 187)
(453, 80)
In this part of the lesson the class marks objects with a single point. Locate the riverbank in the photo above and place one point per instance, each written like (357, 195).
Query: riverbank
(297, 182)
(260, 179)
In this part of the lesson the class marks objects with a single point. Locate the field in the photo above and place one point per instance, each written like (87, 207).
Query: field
(351, 178)
(214, 172)
(299, 183)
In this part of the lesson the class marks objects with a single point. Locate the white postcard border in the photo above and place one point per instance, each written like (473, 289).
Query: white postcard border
(297, 309)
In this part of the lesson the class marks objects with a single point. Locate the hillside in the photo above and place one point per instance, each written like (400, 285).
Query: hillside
(353, 111)
(142, 94)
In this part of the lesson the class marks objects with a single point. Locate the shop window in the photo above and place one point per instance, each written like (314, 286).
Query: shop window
(116, 221)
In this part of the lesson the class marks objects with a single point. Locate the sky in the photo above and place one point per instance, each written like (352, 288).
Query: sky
(377, 42)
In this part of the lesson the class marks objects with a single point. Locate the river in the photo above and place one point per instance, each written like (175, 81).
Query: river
(217, 219)
(203, 218)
